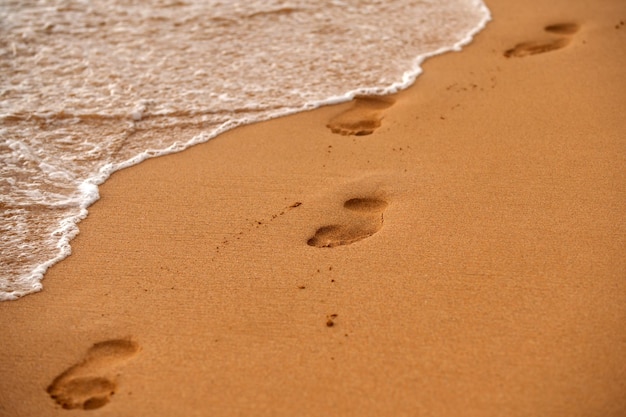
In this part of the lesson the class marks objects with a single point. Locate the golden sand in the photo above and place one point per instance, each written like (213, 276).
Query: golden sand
(454, 250)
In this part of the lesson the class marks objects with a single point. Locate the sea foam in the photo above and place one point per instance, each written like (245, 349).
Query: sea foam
(84, 81)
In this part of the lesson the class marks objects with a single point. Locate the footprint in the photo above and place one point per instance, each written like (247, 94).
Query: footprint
(363, 118)
(366, 220)
(533, 48)
(538, 47)
(88, 384)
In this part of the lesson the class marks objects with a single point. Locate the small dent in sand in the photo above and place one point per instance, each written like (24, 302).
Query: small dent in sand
(87, 384)
(363, 118)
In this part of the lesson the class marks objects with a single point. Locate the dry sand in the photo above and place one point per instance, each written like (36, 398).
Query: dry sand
(472, 258)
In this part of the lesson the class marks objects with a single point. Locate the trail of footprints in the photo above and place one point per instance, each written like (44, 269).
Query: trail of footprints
(367, 112)
(367, 219)
(565, 32)
(89, 384)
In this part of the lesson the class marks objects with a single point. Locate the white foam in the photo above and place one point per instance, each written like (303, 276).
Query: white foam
(80, 87)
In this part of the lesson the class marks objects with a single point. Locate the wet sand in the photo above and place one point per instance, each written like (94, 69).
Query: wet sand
(456, 249)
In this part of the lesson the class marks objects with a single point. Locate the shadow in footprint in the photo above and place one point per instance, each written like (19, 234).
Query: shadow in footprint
(363, 118)
(87, 384)
(563, 28)
(538, 47)
(368, 220)
(366, 205)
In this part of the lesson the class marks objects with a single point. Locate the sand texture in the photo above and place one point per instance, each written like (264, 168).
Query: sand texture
(457, 249)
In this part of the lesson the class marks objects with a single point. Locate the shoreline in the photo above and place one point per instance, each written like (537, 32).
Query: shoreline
(470, 255)
(27, 281)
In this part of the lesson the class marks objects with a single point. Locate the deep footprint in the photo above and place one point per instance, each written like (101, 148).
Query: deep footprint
(87, 384)
(368, 221)
(539, 47)
(363, 118)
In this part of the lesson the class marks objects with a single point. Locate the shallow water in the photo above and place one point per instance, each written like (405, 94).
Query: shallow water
(81, 79)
